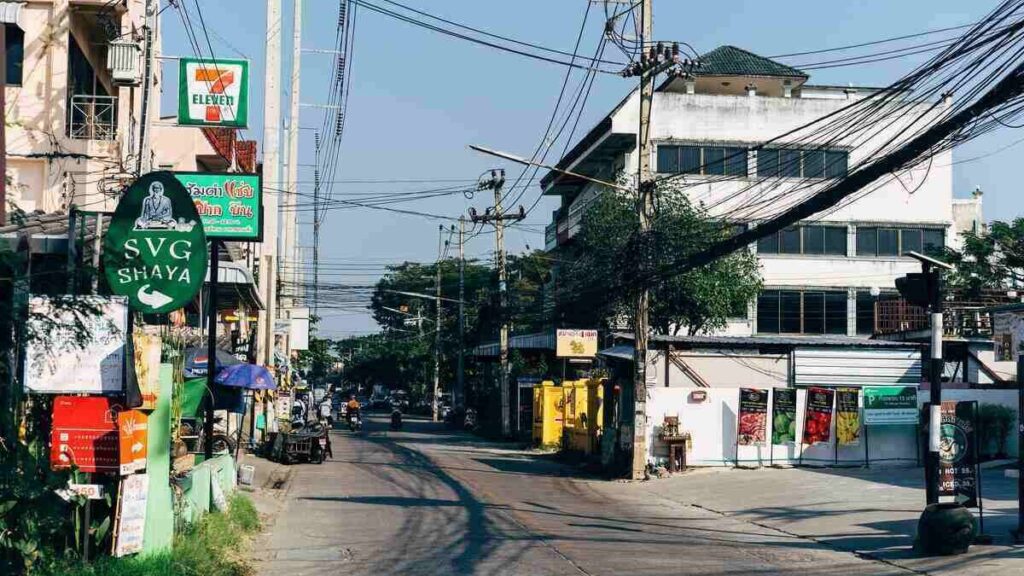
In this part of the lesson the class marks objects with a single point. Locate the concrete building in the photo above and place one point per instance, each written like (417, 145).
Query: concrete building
(709, 134)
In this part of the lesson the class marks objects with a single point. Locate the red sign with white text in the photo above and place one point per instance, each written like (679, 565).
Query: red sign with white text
(85, 433)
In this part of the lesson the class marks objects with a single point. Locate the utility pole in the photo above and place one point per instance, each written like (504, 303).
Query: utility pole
(437, 324)
(290, 239)
(272, 181)
(645, 210)
(3, 123)
(147, 87)
(457, 395)
(498, 217)
(316, 225)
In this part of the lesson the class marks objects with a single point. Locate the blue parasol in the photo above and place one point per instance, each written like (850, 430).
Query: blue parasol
(248, 376)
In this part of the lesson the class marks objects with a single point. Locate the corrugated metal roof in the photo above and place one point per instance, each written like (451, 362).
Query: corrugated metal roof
(773, 340)
(732, 61)
(538, 341)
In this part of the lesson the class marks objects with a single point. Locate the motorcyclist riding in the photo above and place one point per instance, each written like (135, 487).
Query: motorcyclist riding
(352, 412)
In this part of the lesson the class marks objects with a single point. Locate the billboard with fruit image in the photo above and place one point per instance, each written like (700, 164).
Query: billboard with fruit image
(753, 417)
(847, 416)
(818, 416)
(783, 415)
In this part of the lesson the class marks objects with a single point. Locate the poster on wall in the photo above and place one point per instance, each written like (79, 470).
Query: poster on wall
(890, 405)
(818, 416)
(76, 352)
(847, 416)
(958, 465)
(753, 417)
(783, 415)
(131, 514)
(575, 343)
(1007, 335)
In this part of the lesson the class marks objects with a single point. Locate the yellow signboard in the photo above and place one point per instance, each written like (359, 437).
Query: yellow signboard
(575, 343)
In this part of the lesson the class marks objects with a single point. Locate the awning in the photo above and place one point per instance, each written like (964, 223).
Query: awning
(10, 13)
(236, 284)
(618, 352)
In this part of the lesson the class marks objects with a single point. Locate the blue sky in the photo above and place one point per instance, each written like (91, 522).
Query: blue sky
(418, 98)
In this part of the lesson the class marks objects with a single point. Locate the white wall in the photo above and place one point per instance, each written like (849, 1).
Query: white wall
(712, 426)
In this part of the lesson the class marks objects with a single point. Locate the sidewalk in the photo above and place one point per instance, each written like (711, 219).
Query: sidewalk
(872, 513)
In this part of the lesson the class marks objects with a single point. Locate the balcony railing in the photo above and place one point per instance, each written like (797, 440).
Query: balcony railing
(92, 117)
(960, 319)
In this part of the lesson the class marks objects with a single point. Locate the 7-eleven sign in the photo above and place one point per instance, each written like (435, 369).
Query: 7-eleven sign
(213, 92)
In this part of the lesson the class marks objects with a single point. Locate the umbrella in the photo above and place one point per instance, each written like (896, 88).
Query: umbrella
(248, 376)
(196, 361)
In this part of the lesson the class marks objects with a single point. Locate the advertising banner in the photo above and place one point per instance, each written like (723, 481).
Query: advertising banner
(1007, 335)
(958, 463)
(57, 361)
(230, 205)
(133, 440)
(753, 417)
(818, 416)
(85, 433)
(131, 524)
(147, 367)
(887, 405)
(213, 92)
(847, 416)
(155, 250)
(783, 415)
(575, 343)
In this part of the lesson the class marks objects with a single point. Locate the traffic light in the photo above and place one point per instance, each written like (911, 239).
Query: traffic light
(916, 288)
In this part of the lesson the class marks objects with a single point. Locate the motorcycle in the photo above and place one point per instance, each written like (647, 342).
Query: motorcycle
(396, 419)
(469, 423)
(355, 421)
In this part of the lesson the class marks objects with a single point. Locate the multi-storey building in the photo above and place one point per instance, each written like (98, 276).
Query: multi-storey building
(709, 133)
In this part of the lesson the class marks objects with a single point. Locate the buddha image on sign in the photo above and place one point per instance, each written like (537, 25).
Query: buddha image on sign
(157, 214)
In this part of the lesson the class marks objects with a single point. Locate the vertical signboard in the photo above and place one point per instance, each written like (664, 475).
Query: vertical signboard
(958, 466)
(213, 92)
(753, 417)
(783, 415)
(818, 416)
(133, 440)
(131, 514)
(847, 416)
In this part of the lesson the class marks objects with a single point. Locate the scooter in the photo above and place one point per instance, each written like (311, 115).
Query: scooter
(396, 419)
(355, 421)
(469, 422)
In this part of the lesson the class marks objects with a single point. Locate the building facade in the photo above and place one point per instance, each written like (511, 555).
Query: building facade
(732, 138)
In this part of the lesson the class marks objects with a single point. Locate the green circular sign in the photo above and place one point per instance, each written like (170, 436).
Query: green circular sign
(155, 250)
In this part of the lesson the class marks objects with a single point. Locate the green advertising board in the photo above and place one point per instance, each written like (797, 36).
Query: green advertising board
(155, 250)
(886, 405)
(213, 92)
(230, 205)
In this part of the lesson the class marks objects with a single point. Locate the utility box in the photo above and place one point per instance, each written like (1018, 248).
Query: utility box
(548, 414)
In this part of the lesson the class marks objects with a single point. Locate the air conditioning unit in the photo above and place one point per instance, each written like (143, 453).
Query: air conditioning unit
(124, 62)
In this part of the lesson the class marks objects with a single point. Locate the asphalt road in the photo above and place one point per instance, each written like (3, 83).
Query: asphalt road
(428, 501)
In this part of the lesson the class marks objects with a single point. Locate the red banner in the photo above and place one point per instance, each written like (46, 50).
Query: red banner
(85, 433)
(818, 416)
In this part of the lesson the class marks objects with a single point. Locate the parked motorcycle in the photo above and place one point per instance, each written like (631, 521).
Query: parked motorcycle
(396, 419)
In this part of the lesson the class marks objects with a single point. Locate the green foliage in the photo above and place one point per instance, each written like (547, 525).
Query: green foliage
(214, 546)
(593, 290)
(995, 422)
(991, 259)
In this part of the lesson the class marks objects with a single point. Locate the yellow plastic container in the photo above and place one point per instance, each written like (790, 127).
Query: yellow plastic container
(548, 414)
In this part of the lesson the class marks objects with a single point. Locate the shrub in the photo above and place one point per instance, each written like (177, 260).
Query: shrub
(995, 422)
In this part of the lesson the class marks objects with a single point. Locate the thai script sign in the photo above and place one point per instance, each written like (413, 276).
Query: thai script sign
(229, 205)
(85, 433)
(885, 405)
(575, 343)
(131, 523)
(213, 92)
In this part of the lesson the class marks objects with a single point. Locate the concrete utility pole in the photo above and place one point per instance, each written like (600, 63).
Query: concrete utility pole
(498, 217)
(437, 324)
(272, 181)
(290, 238)
(457, 394)
(645, 209)
(142, 161)
(316, 225)
(3, 123)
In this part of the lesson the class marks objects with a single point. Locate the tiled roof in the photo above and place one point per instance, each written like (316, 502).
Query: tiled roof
(732, 61)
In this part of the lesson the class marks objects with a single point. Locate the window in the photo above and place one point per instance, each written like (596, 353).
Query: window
(15, 45)
(829, 240)
(707, 160)
(873, 241)
(795, 312)
(801, 163)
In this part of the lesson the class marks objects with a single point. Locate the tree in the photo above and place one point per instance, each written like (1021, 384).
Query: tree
(990, 260)
(608, 254)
